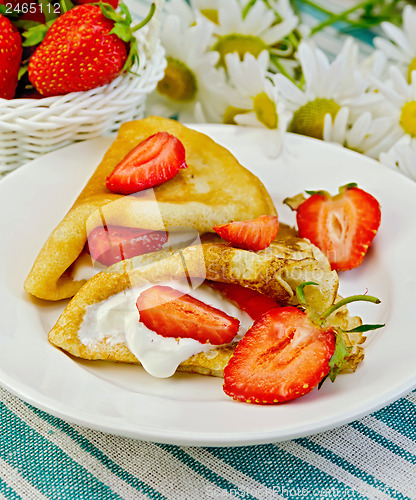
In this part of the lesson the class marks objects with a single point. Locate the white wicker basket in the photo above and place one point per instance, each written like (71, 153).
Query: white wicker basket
(32, 127)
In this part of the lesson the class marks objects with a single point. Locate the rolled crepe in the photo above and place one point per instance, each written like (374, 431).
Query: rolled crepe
(214, 189)
(275, 272)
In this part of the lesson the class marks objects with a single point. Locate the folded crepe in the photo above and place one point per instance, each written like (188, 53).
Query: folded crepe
(214, 189)
(275, 271)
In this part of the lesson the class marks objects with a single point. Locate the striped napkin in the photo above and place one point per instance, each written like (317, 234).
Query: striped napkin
(42, 456)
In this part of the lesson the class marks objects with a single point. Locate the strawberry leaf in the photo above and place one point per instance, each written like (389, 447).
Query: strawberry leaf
(66, 5)
(294, 202)
(340, 354)
(35, 34)
(123, 31)
(363, 328)
(321, 191)
(48, 10)
(300, 293)
(22, 71)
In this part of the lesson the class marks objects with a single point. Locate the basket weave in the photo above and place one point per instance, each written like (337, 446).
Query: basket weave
(32, 127)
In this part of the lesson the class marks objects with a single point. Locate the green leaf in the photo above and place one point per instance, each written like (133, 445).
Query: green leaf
(22, 71)
(340, 354)
(48, 10)
(66, 5)
(300, 293)
(110, 13)
(123, 31)
(364, 328)
(27, 25)
(294, 202)
(322, 192)
(124, 9)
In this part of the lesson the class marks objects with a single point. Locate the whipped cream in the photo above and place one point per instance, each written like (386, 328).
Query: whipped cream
(116, 320)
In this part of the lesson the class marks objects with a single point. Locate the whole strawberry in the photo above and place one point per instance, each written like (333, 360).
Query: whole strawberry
(10, 58)
(79, 52)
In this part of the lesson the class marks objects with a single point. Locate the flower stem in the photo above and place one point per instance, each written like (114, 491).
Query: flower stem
(275, 60)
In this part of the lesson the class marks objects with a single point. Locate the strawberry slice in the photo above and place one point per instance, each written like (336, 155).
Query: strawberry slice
(171, 313)
(283, 356)
(342, 226)
(251, 302)
(154, 161)
(110, 244)
(255, 234)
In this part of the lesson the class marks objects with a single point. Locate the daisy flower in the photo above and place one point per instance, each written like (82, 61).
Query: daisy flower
(253, 99)
(327, 88)
(366, 135)
(401, 96)
(190, 11)
(191, 89)
(402, 157)
(401, 46)
(244, 26)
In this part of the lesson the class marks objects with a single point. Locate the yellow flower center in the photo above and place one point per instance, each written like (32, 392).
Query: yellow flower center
(242, 44)
(210, 14)
(265, 110)
(408, 118)
(230, 113)
(309, 119)
(179, 83)
(412, 67)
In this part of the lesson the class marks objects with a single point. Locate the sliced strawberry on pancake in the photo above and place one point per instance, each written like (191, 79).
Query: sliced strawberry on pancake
(251, 302)
(170, 313)
(283, 356)
(110, 244)
(154, 161)
(255, 234)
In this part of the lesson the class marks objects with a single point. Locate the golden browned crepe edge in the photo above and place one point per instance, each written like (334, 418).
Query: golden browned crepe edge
(170, 266)
(50, 277)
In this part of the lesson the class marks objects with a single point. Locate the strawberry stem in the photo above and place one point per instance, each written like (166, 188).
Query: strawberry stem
(343, 302)
(146, 19)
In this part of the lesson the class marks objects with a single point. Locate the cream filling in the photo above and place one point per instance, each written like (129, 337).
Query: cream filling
(116, 320)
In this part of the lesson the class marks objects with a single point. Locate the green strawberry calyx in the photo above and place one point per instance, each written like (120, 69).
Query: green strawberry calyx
(341, 351)
(123, 29)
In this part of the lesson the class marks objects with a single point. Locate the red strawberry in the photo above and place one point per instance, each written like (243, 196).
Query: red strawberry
(171, 313)
(10, 58)
(255, 234)
(35, 13)
(283, 356)
(251, 302)
(78, 52)
(342, 226)
(112, 244)
(113, 3)
(152, 162)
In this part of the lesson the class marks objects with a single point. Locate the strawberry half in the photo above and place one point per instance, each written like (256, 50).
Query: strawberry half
(112, 244)
(10, 57)
(154, 161)
(255, 234)
(342, 226)
(283, 356)
(170, 313)
(251, 302)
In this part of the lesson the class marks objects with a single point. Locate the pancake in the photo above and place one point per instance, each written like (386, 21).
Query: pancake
(213, 190)
(271, 274)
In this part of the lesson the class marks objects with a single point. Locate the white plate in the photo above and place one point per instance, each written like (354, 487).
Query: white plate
(191, 409)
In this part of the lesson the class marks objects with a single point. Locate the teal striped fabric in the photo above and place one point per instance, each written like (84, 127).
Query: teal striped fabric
(42, 456)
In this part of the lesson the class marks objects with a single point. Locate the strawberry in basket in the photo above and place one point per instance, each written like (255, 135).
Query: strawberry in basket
(10, 56)
(86, 47)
